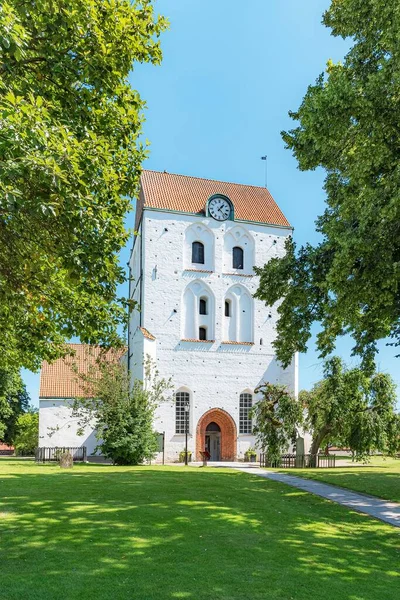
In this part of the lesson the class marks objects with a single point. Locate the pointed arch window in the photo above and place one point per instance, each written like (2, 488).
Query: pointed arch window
(203, 306)
(228, 308)
(198, 253)
(245, 422)
(182, 400)
(237, 257)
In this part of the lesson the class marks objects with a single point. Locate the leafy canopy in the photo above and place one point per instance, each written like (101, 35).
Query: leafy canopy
(277, 417)
(122, 414)
(352, 410)
(347, 408)
(14, 401)
(27, 433)
(70, 159)
(348, 124)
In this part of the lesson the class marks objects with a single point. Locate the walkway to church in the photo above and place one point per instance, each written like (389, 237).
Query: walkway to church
(389, 512)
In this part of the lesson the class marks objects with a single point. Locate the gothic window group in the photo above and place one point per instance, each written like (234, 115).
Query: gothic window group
(200, 315)
(198, 256)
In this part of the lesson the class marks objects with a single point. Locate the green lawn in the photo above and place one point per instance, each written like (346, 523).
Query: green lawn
(103, 532)
(380, 478)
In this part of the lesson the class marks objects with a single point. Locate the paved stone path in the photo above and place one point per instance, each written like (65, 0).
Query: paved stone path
(389, 512)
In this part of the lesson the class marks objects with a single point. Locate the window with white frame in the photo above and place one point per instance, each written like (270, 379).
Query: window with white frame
(182, 399)
(245, 422)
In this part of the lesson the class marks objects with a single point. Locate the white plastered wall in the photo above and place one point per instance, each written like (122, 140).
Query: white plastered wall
(214, 374)
(57, 426)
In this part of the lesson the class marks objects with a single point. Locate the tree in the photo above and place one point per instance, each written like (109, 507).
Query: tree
(277, 415)
(352, 410)
(70, 158)
(122, 415)
(14, 401)
(27, 433)
(348, 124)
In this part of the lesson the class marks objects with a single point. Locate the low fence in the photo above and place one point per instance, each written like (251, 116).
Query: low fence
(299, 461)
(53, 454)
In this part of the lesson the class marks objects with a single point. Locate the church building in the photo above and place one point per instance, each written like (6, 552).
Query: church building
(191, 273)
(191, 267)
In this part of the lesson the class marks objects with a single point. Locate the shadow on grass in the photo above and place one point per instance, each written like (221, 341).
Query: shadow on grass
(153, 533)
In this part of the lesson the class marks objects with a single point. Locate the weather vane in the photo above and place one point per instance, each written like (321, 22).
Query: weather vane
(266, 164)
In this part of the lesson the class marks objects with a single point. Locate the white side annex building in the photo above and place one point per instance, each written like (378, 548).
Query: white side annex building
(192, 274)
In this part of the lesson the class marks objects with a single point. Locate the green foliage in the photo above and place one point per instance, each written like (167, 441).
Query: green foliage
(277, 415)
(70, 159)
(251, 451)
(14, 400)
(27, 433)
(122, 415)
(182, 456)
(352, 410)
(348, 124)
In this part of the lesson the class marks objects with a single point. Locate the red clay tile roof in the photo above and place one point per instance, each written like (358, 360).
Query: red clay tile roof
(239, 343)
(237, 274)
(198, 271)
(147, 333)
(201, 341)
(59, 379)
(6, 447)
(190, 194)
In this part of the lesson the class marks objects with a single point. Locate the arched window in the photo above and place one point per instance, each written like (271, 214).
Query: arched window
(198, 253)
(237, 257)
(245, 404)
(203, 306)
(202, 333)
(227, 308)
(182, 400)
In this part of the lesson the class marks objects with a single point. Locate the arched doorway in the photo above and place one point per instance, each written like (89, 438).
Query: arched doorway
(213, 441)
(216, 428)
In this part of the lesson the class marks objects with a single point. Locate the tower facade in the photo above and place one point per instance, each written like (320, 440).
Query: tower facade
(191, 267)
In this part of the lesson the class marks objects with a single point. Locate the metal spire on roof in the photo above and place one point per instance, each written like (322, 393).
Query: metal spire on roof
(266, 168)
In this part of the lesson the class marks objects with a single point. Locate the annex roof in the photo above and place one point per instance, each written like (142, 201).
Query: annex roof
(60, 378)
(182, 193)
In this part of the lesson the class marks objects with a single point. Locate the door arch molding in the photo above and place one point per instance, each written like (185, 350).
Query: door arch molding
(228, 433)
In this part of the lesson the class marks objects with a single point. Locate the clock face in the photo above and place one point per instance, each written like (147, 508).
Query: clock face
(219, 208)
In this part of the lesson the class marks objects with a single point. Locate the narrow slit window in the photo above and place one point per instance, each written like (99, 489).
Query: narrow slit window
(227, 308)
(198, 253)
(202, 333)
(237, 257)
(203, 306)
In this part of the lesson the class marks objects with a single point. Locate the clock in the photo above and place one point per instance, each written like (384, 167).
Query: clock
(219, 208)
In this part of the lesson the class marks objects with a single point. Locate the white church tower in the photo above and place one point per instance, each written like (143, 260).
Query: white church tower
(192, 275)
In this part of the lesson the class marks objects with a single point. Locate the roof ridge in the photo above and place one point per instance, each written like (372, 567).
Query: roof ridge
(258, 187)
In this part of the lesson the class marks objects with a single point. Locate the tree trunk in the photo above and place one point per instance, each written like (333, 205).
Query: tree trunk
(317, 440)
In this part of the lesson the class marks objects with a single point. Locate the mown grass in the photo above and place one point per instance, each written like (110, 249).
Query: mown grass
(381, 477)
(168, 533)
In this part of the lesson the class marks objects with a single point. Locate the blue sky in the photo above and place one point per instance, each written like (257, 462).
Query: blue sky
(231, 72)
